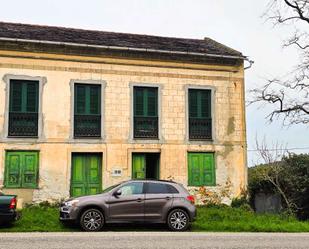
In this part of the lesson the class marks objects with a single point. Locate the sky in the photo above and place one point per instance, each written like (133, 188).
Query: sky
(239, 24)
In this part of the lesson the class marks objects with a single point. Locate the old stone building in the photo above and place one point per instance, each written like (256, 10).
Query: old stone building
(81, 110)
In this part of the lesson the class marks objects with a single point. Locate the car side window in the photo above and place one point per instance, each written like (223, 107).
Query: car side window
(173, 190)
(133, 188)
(159, 188)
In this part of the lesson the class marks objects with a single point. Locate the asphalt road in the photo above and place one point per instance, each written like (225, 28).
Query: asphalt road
(137, 240)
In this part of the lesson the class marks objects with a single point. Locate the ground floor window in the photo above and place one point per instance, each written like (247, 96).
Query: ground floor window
(201, 169)
(145, 165)
(86, 176)
(21, 169)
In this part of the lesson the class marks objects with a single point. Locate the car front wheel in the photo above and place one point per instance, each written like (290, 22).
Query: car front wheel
(92, 220)
(178, 220)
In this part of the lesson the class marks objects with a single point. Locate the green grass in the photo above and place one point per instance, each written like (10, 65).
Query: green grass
(218, 219)
(37, 219)
(228, 219)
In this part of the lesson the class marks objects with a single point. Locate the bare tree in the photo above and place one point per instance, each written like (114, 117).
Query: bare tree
(289, 95)
(274, 171)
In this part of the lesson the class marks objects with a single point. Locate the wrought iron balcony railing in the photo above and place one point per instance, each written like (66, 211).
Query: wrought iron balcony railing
(200, 128)
(23, 124)
(87, 125)
(146, 127)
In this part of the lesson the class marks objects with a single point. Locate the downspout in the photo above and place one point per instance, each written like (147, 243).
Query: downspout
(251, 62)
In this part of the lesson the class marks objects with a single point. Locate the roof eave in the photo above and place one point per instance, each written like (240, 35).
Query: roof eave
(116, 48)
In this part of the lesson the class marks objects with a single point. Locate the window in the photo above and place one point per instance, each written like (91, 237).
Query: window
(160, 188)
(87, 110)
(146, 112)
(201, 169)
(23, 108)
(21, 169)
(134, 188)
(173, 190)
(200, 122)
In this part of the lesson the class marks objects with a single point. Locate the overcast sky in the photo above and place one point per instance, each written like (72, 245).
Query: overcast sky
(237, 24)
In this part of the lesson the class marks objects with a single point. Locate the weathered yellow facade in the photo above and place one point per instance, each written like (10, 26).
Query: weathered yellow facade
(56, 145)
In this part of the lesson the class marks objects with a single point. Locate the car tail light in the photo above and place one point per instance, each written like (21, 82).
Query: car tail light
(191, 199)
(13, 203)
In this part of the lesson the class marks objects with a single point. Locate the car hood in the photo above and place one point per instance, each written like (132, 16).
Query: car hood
(86, 197)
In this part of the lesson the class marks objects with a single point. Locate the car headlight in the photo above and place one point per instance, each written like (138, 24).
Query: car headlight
(72, 203)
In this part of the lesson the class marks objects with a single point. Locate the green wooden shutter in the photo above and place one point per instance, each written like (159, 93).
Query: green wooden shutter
(24, 96)
(13, 170)
(29, 169)
(201, 169)
(199, 103)
(87, 99)
(15, 96)
(86, 174)
(152, 102)
(205, 103)
(138, 166)
(78, 177)
(146, 101)
(193, 103)
(195, 174)
(94, 174)
(32, 96)
(138, 101)
(21, 169)
(95, 100)
(208, 168)
(80, 99)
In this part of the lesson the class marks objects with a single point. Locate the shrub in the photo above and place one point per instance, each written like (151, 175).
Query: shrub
(289, 178)
(296, 182)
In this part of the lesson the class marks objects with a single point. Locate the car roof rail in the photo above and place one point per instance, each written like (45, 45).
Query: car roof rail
(153, 179)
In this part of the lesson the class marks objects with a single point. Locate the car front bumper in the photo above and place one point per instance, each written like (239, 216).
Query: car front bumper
(67, 214)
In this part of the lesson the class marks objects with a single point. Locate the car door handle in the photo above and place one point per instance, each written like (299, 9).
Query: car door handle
(167, 197)
(139, 200)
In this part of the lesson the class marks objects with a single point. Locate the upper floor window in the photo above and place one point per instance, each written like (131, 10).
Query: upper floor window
(146, 112)
(23, 108)
(200, 122)
(87, 110)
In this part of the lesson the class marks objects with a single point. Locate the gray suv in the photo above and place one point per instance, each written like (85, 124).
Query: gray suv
(148, 201)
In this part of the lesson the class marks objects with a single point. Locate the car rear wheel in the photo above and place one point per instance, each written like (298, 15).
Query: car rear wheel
(178, 220)
(92, 220)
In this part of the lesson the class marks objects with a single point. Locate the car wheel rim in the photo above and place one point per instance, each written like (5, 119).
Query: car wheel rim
(93, 220)
(178, 220)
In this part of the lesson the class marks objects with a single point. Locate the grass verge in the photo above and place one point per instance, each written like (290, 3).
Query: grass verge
(215, 219)
(228, 219)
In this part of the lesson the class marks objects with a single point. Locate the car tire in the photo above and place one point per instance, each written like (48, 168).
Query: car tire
(92, 220)
(178, 220)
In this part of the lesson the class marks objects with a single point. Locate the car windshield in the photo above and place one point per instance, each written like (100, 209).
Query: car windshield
(110, 188)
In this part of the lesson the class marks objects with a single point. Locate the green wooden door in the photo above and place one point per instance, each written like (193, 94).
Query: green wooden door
(201, 169)
(86, 176)
(138, 166)
(21, 169)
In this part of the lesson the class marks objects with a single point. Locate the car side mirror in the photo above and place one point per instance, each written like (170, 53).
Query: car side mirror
(117, 193)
